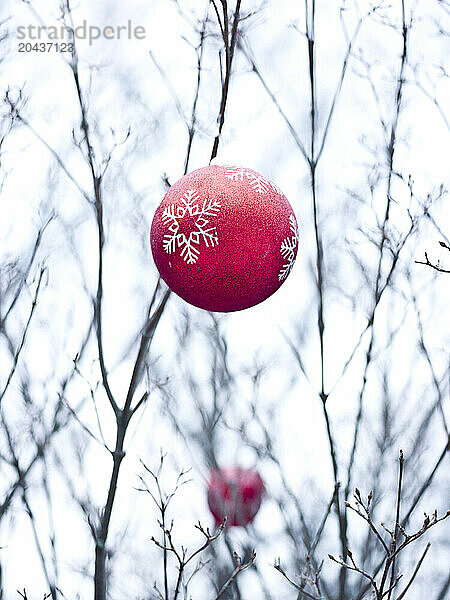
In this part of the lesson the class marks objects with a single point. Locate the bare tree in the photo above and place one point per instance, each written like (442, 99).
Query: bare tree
(319, 388)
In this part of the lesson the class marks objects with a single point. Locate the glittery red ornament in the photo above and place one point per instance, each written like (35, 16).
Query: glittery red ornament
(224, 238)
(236, 494)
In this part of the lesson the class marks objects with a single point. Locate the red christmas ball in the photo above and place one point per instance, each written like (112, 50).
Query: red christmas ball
(236, 494)
(224, 238)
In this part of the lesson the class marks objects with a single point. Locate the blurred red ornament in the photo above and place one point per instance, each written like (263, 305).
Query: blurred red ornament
(224, 238)
(234, 493)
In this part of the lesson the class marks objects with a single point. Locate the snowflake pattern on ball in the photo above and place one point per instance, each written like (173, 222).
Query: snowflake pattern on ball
(287, 250)
(190, 244)
(257, 182)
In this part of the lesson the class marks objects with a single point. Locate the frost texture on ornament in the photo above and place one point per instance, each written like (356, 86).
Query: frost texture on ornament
(256, 181)
(287, 250)
(192, 207)
(223, 238)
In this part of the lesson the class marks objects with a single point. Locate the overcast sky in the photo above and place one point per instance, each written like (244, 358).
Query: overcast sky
(147, 85)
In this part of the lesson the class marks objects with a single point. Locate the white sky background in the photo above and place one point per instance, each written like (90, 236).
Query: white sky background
(125, 89)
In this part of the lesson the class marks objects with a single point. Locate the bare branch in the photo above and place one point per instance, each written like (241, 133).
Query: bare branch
(416, 570)
(241, 567)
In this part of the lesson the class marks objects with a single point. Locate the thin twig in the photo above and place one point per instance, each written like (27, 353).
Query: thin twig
(230, 45)
(416, 570)
(240, 567)
(397, 521)
(24, 335)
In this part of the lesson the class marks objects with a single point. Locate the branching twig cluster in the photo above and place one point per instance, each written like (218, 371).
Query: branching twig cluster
(397, 540)
(309, 580)
(435, 265)
(23, 595)
(183, 557)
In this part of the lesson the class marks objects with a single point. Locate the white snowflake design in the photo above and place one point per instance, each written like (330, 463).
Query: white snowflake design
(287, 250)
(257, 182)
(190, 244)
